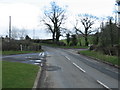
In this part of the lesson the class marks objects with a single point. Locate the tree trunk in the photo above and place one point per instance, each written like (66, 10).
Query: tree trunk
(53, 36)
(111, 33)
(86, 38)
(57, 34)
(86, 41)
(57, 37)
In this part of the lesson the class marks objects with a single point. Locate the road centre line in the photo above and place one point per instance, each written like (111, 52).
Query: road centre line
(67, 58)
(79, 67)
(103, 85)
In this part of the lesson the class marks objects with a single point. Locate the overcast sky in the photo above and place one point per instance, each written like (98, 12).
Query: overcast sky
(27, 13)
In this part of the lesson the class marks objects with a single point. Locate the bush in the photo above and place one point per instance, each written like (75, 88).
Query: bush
(109, 50)
(12, 45)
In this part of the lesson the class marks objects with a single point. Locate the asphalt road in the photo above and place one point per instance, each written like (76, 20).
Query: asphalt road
(66, 69)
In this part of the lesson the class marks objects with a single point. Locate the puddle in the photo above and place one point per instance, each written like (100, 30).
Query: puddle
(33, 58)
(36, 63)
(32, 61)
(28, 57)
(29, 62)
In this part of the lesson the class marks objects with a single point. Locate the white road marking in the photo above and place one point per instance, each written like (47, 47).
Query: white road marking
(67, 58)
(42, 54)
(103, 85)
(79, 67)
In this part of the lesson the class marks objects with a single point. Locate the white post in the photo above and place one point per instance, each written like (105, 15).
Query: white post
(21, 47)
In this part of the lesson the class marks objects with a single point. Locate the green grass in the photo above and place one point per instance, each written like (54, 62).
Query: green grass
(111, 59)
(17, 52)
(18, 75)
(82, 40)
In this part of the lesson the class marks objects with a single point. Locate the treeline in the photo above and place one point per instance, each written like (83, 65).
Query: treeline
(107, 40)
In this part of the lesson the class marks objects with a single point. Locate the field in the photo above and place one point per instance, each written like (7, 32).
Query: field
(82, 40)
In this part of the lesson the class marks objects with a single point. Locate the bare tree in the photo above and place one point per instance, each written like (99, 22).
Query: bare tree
(87, 21)
(17, 33)
(54, 19)
(22, 33)
(14, 33)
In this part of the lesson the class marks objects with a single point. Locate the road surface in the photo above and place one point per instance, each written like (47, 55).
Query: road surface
(67, 69)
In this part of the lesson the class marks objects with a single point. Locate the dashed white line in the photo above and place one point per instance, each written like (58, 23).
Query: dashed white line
(67, 58)
(79, 67)
(103, 85)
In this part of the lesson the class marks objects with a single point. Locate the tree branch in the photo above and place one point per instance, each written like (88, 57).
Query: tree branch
(79, 31)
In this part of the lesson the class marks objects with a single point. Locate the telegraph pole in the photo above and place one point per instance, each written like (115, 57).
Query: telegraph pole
(9, 27)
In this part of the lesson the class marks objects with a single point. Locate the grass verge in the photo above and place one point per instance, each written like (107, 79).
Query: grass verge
(111, 59)
(17, 52)
(18, 75)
